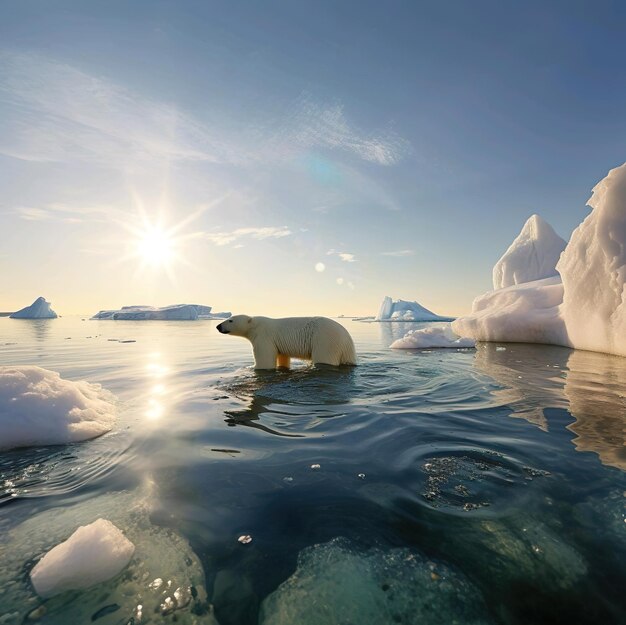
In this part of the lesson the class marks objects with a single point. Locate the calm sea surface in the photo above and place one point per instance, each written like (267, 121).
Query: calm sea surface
(443, 486)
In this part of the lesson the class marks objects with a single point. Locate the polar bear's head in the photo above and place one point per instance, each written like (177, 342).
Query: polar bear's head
(239, 325)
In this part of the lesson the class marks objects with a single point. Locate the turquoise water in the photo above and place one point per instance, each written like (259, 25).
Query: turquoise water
(469, 486)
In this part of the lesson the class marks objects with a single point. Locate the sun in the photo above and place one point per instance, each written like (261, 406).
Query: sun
(155, 247)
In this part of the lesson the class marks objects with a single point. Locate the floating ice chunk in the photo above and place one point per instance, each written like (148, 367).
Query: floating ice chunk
(38, 407)
(401, 310)
(437, 336)
(532, 255)
(176, 312)
(525, 313)
(92, 554)
(593, 269)
(39, 309)
(336, 583)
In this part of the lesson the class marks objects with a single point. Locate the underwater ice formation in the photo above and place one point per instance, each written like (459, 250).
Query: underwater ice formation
(38, 407)
(337, 583)
(39, 309)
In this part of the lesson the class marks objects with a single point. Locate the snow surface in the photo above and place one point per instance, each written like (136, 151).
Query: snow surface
(436, 336)
(94, 553)
(401, 310)
(39, 309)
(181, 312)
(532, 255)
(38, 407)
(586, 307)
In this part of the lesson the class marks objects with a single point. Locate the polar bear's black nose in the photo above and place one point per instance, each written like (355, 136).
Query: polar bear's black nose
(221, 329)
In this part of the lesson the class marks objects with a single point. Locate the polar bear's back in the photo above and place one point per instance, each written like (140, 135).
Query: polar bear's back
(319, 339)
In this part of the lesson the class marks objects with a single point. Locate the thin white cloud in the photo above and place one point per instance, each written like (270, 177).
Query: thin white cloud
(226, 238)
(345, 256)
(52, 111)
(398, 253)
(326, 126)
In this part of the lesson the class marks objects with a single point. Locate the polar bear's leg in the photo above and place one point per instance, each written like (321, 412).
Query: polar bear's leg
(265, 355)
(325, 352)
(282, 360)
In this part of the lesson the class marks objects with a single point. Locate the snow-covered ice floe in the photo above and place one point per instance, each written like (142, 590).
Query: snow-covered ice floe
(584, 306)
(436, 336)
(39, 309)
(339, 583)
(180, 312)
(38, 407)
(401, 310)
(94, 553)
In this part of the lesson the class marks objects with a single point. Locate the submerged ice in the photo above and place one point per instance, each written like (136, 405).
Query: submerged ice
(338, 583)
(436, 336)
(39, 309)
(38, 407)
(584, 306)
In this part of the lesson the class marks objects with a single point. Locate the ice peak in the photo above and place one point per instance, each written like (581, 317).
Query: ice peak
(532, 255)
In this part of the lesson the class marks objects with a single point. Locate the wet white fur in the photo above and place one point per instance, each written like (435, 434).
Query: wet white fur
(275, 341)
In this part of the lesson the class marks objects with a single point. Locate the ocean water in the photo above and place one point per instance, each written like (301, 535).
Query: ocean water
(443, 486)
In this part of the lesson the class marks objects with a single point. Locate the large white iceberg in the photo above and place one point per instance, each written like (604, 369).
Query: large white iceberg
(39, 309)
(38, 407)
(533, 255)
(92, 554)
(179, 312)
(586, 307)
(401, 310)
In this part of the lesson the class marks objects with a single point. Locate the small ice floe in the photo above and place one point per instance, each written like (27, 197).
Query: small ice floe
(316, 467)
(94, 553)
(437, 336)
(361, 476)
(39, 309)
(38, 407)
(245, 539)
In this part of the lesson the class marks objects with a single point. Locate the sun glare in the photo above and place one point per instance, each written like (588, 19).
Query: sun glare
(155, 247)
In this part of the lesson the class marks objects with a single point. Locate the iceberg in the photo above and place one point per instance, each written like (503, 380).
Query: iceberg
(533, 255)
(38, 407)
(401, 310)
(583, 307)
(438, 336)
(176, 312)
(39, 309)
(93, 554)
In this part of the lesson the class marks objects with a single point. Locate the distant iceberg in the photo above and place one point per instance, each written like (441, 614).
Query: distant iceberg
(584, 306)
(39, 309)
(180, 312)
(401, 310)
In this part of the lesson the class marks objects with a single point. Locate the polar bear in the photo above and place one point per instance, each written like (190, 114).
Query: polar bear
(276, 341)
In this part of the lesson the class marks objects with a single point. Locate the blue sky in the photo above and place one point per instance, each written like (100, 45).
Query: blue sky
(401, 145)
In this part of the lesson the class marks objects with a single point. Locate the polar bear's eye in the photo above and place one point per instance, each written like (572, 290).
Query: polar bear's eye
(230, 321)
